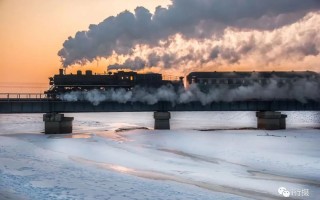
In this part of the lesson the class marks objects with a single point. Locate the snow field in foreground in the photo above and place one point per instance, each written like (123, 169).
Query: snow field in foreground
(100, 163)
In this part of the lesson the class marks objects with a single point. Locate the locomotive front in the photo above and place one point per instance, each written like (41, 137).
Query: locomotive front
(63, 83)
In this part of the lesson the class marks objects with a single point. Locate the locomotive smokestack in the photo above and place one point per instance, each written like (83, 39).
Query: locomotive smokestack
(88, 72)
(61, 72)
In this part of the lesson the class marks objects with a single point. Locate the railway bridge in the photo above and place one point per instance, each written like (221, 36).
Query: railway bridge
(268, 111)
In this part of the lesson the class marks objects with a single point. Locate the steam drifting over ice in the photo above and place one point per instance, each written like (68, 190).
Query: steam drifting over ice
(301, 90)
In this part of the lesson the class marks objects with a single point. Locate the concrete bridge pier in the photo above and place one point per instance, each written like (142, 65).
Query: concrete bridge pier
(56, 123)
(162, 120)
(270, 120)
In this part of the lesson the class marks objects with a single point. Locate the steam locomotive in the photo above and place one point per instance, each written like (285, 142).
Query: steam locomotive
(63, 83)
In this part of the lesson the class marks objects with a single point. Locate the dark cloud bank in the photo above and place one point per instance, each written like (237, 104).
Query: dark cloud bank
(191, 18)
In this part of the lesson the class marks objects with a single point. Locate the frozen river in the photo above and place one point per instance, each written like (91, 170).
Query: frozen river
(206, 155)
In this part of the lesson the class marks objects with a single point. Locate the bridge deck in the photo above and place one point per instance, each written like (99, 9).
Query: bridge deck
(35, 105)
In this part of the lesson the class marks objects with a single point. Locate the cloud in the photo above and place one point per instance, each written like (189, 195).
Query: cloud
(295, 46)
(192, 19)
(136, 63)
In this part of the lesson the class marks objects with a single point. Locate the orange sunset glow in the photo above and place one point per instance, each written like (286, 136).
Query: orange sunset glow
(34, 31)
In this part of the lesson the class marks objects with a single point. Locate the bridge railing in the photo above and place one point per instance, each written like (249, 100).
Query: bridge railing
(22, 96)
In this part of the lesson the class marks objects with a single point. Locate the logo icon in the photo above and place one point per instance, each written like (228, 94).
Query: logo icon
(284, 192)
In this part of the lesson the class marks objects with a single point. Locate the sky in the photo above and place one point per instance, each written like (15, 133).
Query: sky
(33, 31)
(38, 37)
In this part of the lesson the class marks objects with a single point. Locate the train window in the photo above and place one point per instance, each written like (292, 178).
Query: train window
(194, 79)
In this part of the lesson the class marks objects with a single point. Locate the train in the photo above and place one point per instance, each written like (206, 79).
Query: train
(209, 80)
(63, 83)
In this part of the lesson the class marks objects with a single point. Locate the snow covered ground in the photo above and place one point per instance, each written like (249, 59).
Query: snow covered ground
(206, 155)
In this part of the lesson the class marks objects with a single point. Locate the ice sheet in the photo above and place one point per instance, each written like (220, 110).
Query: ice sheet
(96, 162)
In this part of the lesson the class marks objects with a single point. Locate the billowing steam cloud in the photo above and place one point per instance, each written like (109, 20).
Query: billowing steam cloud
(301, 90)
(263, 49)
(201, 19)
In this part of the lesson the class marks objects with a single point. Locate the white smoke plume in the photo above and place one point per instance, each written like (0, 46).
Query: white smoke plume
(234, 49)
(301, 90)
(192, 19)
